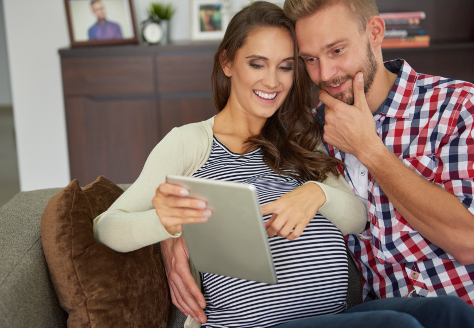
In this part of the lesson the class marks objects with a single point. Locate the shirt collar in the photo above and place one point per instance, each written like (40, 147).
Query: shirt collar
(399, 98)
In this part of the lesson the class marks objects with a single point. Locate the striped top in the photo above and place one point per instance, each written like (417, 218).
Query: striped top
(312, 270)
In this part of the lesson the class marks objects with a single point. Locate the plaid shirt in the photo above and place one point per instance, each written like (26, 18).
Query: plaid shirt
(427, 121)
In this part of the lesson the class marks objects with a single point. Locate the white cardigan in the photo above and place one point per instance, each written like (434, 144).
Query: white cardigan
(132, 223)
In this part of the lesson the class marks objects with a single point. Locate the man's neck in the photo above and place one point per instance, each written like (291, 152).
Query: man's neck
(383, 82)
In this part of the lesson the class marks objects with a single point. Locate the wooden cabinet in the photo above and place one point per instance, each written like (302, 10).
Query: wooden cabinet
(121, 101)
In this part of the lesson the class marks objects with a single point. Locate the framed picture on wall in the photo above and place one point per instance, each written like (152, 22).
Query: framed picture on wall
(209, 19)
(100, 22)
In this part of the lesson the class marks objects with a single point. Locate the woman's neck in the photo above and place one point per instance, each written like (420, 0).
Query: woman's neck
(234, 127)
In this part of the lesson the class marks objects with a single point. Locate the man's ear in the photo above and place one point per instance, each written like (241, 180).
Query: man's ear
(225, 63)
(375, 31)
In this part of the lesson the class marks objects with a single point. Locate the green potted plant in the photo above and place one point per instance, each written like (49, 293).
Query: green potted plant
(162, 13)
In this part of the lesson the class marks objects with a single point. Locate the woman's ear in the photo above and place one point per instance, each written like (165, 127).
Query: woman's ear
(225, 63)
(376, 31)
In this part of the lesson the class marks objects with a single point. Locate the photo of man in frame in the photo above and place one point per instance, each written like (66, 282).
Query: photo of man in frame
(103, 29)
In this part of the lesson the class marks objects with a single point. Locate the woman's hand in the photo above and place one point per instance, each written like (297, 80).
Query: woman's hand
(175, 208)
(293, 211)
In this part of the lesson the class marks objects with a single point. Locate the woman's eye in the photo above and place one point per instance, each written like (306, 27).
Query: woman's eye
(256, 66)
(287, 68)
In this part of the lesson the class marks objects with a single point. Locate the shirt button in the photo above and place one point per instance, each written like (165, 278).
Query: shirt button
(363, 173)
(415, 275)
(361, 237)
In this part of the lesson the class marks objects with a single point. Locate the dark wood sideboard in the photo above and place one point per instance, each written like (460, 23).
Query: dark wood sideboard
(121, 100)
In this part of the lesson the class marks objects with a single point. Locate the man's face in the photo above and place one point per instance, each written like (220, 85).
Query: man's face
(334, 50)
(98, 10)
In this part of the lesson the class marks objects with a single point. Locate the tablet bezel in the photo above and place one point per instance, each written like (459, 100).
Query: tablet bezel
(233, 242)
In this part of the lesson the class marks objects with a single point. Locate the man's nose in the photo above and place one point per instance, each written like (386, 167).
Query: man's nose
(327, 70)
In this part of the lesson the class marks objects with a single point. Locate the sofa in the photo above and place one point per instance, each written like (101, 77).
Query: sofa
(27, 297)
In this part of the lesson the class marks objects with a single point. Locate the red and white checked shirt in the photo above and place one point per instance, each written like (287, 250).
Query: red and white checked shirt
(428, 122)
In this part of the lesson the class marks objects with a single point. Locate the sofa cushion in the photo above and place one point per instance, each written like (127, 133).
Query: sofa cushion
(97, 286)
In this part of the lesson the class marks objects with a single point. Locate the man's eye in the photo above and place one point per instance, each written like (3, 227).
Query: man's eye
(338, 50)
(310, 60)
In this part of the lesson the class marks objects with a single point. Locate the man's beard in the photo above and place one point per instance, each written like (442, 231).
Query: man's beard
(369, 69)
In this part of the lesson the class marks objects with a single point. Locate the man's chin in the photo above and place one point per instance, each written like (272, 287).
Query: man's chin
(345, 98)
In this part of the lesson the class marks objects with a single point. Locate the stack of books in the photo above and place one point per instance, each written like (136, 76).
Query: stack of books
(404, 30)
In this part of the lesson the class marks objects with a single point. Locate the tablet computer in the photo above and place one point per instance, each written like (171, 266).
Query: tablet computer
(233, 242)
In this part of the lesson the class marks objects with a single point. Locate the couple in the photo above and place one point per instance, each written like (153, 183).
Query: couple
(264, 134)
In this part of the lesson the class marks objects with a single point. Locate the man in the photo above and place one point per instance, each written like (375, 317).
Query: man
(103, 29)
(408, 143)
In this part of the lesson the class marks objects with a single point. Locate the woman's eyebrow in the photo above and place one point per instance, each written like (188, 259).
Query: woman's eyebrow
(265, 58)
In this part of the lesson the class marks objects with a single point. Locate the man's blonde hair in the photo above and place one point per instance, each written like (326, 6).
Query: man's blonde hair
(363, 10)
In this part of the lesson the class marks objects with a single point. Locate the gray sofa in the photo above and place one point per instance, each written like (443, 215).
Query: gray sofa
(27, 298)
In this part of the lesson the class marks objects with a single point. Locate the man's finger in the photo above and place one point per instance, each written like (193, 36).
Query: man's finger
(174, 298)
(359, 94)
(328, 100)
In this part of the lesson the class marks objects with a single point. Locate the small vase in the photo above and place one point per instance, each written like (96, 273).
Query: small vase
(166, 31)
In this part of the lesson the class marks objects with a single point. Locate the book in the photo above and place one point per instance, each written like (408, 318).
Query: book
(407, 15)
(403, 33)
(418, 41)
(408, 21)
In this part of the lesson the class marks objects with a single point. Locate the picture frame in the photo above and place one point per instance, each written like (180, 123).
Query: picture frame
(209, 19)
(100, 22)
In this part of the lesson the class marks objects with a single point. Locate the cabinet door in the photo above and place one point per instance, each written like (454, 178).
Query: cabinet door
(179, 111)
(110, 137)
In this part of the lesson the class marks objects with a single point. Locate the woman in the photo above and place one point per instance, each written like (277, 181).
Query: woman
(263, 135)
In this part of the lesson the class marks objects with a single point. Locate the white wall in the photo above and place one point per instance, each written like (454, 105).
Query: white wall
(35, 30)
(5, 91)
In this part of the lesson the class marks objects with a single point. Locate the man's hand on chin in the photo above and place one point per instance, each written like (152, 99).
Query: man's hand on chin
(351, 129)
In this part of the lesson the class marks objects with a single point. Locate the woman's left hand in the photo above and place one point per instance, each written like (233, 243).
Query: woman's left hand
(293, 211)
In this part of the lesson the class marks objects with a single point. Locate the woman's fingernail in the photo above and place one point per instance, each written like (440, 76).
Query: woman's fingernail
(361, 77)
(196, 319)
(207, 213)
(201, 304)
(200, 319)
(184, 192)
(204, 219)
(202, 205)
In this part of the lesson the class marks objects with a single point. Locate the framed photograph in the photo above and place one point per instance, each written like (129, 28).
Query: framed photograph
(100, 22)
(209, 19)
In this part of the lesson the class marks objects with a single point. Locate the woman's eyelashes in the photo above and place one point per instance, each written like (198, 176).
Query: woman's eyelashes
(283, 67)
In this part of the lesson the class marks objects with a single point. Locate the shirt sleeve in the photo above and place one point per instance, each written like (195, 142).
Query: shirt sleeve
(131, 222)
(342, 207)
(454, 159)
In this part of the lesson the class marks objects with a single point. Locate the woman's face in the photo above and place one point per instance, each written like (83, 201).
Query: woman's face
(262, 73)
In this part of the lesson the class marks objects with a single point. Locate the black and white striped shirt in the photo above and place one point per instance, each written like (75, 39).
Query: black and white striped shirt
(312, 270)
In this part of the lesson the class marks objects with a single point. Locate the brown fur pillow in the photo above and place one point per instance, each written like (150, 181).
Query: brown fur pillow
(97, 286)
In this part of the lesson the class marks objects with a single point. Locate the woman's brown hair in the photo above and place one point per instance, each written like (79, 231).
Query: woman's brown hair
(289, 137)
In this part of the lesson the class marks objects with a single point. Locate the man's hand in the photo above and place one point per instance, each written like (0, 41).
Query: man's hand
(293, 211)
(185, 293)
(351, 129)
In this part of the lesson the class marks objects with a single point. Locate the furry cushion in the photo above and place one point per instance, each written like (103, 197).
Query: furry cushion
(97, 286)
